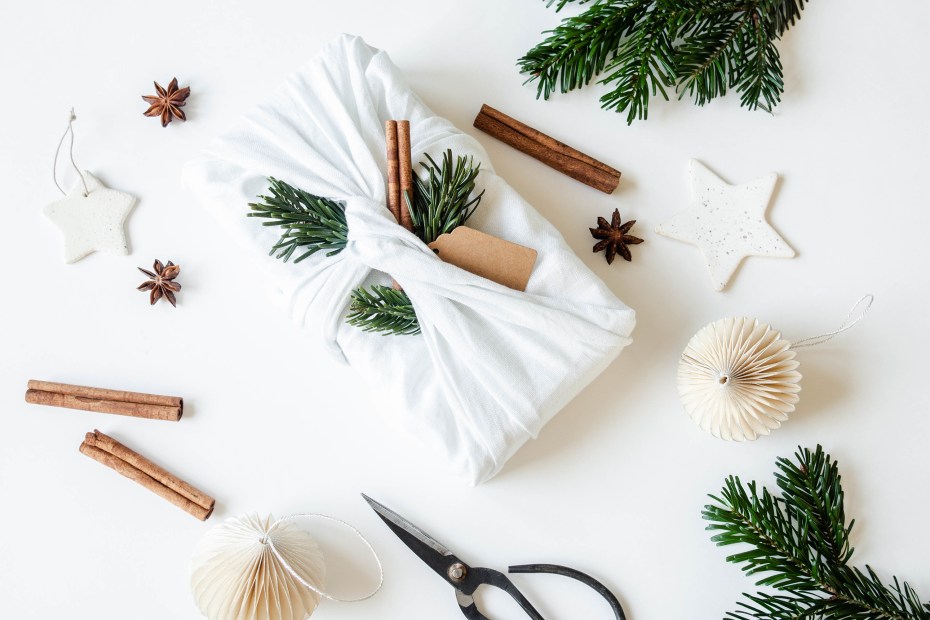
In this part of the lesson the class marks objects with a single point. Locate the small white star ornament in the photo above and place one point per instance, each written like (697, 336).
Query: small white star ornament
(94, 222)
(727, 222)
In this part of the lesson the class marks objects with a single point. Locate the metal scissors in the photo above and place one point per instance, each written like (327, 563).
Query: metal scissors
(466, 579)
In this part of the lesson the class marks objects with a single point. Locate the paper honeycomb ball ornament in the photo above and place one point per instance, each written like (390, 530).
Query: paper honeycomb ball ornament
(738, 379)
(250, 568)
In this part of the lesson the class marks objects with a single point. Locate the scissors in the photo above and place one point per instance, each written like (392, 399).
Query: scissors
(466, 579)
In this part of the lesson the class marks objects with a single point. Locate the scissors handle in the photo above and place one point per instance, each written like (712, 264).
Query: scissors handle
(490, 577)
(565, 571)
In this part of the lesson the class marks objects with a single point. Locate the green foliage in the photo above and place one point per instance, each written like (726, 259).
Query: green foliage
(443, 201)
(383, 309)
(309, 222)
(799, 546)
(645, 48)
(440, 203)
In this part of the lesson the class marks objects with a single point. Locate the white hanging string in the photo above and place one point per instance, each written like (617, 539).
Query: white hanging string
(270, 542)
(69, 130)
(848, 323)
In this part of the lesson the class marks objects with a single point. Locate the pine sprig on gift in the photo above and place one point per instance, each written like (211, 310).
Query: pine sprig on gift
(645, 48)
(383, 309)
(800, 543)
(309, 222)
(441, 202)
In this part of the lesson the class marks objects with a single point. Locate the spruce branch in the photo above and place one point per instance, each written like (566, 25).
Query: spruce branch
(441, 201)
(309, 222)
(383, 309)
(799, 545)
(699, 48)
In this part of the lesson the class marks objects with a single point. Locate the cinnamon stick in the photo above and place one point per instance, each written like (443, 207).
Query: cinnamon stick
(119, 402)
(406, 172)
(136, 467)
(548, 150)
(108, 444)
(393, 170)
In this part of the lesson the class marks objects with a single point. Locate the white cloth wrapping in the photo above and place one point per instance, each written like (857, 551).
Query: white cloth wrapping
(492, 365)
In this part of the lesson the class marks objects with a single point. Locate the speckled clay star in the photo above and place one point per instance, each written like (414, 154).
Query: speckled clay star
(727, 222)
(93, 222)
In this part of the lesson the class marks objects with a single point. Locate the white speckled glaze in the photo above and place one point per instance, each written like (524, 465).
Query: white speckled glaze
(93, 222)
(727, 222)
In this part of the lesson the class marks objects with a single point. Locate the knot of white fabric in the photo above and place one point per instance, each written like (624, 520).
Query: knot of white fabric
(461, 317)
(378, 242)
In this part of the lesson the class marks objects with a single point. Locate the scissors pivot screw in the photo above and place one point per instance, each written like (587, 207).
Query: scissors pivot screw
(457, 572)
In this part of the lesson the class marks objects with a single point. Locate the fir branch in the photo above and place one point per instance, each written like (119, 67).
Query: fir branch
(707, 60)
(440, 203)
(581, 46)
(310, 222)
(701, 48)
(443, 201)
(641, 67)
(383, 309)
(800, 542)
(562, 3)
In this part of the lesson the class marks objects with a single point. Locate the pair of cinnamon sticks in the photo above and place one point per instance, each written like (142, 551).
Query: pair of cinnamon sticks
(116, 456)
(548, 150)
(400, 170)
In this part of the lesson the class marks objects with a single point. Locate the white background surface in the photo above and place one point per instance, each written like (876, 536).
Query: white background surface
(615, 484)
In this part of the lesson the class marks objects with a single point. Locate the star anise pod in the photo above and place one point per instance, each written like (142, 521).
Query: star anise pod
(613, 237)
(161, 283)
(168, 103)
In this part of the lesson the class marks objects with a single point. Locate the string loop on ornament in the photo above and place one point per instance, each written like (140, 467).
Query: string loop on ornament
(69, 130)
(270, 542)
(848, 323)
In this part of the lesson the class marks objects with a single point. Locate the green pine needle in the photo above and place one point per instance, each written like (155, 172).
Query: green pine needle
(383, 309)
(645, 48)
(799, 545)
(441, 202)
(309, 222)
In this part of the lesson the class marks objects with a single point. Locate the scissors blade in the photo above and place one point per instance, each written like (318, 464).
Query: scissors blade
(427, 548)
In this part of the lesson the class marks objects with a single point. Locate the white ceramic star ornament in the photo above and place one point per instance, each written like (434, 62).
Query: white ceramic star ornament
(91, 216)
(727, 222)
(92, 222)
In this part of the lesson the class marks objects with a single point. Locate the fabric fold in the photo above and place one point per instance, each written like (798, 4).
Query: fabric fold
(492, 365)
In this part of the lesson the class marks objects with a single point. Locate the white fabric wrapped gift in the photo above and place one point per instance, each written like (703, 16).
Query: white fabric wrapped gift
(492, 365)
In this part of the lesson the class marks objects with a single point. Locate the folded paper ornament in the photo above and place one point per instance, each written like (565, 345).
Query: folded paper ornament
(492, 365)
(254, 568)
(248, 568)
(739, 379)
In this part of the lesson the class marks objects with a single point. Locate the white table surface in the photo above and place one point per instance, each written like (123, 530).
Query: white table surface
(615, 484)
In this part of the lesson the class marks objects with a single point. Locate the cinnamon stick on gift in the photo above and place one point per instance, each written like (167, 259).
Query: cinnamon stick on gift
(393, 170)
(136, 467)
(548, 150)
(406, 172)
(135, 404)
(400, 174)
